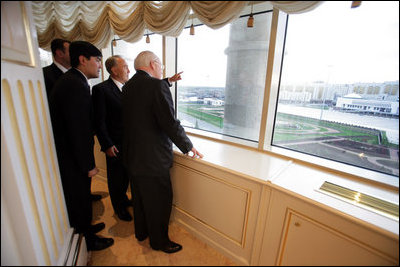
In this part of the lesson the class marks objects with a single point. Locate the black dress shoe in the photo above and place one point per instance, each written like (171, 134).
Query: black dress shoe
(124, 215)
(141, 238)
(97, 228)
(171, 247)
(128, 203)
(94, 242)
(95, 197)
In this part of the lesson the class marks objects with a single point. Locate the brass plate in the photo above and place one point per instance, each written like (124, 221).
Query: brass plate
(370, 201)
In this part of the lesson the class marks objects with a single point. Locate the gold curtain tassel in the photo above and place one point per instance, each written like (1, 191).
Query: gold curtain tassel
(192, 30)
(250, 21)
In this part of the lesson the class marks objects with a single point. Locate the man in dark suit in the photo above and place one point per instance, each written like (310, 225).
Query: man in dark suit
(72, 120)
(108, 121)
(108, 124)
(61, 63)
(149, 130)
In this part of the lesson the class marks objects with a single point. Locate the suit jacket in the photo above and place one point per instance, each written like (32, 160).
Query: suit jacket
(72, 120)
(51, 74)
(107, 114)
(150, 126)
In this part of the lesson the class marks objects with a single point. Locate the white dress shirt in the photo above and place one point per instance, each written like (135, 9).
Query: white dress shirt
(61, 67)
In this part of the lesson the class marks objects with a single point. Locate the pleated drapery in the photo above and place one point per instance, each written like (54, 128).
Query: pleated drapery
(98, 21)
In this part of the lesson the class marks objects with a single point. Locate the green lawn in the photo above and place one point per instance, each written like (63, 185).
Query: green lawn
(194, 111)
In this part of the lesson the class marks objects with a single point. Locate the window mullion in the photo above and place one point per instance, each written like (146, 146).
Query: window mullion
(268, 79)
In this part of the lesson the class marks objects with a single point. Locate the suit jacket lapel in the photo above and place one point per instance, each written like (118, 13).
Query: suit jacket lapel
(115, 88)
(81, 76)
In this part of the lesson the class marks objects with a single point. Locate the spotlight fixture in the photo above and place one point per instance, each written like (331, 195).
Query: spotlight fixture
(192, 28)
(355, 4)
(250, 21)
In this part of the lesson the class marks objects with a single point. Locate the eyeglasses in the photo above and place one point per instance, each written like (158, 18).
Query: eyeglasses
(161, 65)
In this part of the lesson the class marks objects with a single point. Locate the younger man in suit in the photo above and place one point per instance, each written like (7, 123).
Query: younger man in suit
(72, 119)
(61, 64)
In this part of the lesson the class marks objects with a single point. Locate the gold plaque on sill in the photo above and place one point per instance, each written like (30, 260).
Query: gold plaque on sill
(370, 201)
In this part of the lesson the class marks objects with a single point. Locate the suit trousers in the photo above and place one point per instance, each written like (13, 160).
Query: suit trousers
(76, 187)
(118, 182)
(152, 204)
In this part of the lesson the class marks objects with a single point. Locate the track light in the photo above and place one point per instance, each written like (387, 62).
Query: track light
(147, 37)
(250, 21)
(192, 28)
(355, 4)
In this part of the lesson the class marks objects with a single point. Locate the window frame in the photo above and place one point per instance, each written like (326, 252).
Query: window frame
(271, 94)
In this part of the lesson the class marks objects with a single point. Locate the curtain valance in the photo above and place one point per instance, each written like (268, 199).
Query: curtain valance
(98, 21)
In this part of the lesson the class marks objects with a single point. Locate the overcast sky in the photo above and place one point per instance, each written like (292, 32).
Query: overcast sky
(367, 50)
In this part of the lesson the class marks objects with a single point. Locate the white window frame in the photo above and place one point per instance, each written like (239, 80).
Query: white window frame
(278, 29)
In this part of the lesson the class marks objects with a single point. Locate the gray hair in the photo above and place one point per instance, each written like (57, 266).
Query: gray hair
(143, 59)
(111, 62)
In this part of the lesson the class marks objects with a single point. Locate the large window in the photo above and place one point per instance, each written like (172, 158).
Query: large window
(223, 82)
(129, 51)
(339, 86)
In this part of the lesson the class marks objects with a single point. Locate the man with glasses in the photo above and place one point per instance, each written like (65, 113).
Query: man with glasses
(149, 130)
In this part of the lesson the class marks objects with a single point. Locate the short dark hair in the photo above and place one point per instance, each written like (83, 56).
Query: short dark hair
(82, 48)
(58, 44)
(111, 62)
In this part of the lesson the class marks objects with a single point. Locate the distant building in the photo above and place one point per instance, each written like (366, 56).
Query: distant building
(320, 92)
(213, 102)
(191, 99)
(354, 102)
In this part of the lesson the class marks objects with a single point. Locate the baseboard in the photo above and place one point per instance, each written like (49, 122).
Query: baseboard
(74, 252)
(213, 240)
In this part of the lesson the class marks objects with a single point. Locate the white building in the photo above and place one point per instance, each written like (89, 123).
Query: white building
(213, 102)
(356, 103)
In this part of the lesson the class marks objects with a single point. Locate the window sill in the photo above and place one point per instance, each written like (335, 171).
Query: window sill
(374, 177)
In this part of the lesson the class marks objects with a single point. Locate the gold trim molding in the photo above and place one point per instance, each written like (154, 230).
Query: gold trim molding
(361, 198)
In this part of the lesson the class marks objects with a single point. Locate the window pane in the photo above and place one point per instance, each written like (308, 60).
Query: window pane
(129, 51)
(223, 82)
(339, 88)
(46, 58)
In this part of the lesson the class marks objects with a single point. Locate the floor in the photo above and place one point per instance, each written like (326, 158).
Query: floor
(128, 251)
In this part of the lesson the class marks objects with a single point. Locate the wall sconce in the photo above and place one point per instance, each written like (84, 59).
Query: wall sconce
(114, 42)
(250, 21)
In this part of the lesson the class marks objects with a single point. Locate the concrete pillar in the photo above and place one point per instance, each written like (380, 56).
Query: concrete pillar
(245, 79)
